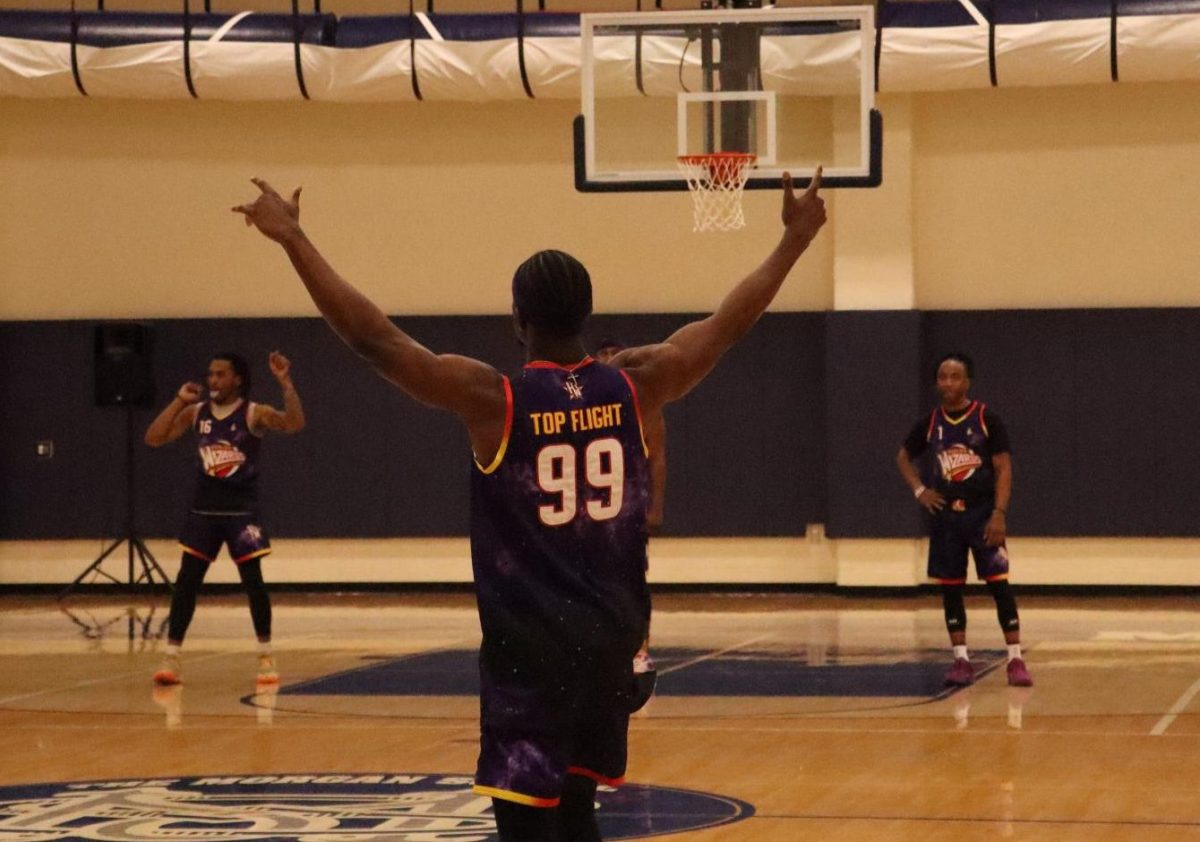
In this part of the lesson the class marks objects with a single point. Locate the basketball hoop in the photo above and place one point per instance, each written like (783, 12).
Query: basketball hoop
(716, 182)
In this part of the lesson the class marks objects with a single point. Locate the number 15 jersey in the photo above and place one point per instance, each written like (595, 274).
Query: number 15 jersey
(558, 536)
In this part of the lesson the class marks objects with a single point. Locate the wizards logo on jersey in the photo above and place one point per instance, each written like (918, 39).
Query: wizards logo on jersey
(359, 807)
(221, 459)
(958, 462)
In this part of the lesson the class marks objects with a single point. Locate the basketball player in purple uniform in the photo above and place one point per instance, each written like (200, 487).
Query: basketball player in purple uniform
(645, 672)
(224, 511)
(964, 484)
(558, 505)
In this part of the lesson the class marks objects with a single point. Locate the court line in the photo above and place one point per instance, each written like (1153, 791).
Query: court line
(1180, 705)
(377, 660)
(971, 820)
(124, 676)
(234, 723)
(717, 654)
(246, 701)
(92, 683)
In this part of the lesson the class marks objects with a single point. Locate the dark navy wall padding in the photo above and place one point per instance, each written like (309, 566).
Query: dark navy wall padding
(937, 13)
(799, 424)
(1157, 7)
(1040, 11)
(370, 30)
(745, 450)
(374, 463)
(47, 391)
(1026, 369)
(116, 29)
(871, 371)
(1099, 405)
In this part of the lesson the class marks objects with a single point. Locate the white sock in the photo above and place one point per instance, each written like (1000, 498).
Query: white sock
(1014, 716)
(1014, 651)
(961, 652)
(173, 650)
(264, 648)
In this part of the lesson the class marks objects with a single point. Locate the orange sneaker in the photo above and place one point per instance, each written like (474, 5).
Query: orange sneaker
(266, 670)
(169, 672)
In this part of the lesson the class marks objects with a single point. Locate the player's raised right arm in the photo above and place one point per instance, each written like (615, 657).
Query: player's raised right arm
(175, 417)
(470, 388)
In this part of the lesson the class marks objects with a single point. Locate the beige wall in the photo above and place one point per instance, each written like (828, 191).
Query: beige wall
(121, 209)
(1061, 197)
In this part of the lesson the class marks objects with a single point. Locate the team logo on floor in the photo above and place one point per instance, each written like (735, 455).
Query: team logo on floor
(319, 808)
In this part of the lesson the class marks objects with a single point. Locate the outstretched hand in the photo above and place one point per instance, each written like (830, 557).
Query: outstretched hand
(270, 213)
(803, 215)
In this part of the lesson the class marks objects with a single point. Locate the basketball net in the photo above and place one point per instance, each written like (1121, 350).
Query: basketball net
(716, 182)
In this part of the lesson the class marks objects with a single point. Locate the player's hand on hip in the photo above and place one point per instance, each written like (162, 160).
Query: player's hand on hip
(277, 218)
(280, 365)
(996, 530)
(803, 215)
(190, 392)
(931, 501)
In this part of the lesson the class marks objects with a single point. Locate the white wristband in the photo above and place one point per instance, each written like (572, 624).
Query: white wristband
(918, 491)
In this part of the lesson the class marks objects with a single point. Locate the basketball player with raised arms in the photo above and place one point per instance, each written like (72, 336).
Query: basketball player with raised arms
(964, 484)
(229, 428)
(558, 505)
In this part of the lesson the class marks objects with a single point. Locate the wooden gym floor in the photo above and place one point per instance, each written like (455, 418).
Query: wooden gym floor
(823, 715)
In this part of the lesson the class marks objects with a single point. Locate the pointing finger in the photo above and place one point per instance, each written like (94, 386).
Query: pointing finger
(788, 192)
(296, 196)
(262, 185)
(815, 184)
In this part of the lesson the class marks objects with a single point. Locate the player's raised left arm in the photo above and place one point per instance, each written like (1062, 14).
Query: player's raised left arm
(671, 370)
(291, 420)
(470, 388)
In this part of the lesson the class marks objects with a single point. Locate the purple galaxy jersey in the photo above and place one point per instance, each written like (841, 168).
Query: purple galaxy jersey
(558, 545)
(226, 461)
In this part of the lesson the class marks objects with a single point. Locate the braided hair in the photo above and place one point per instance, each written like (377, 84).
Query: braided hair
(553, 292)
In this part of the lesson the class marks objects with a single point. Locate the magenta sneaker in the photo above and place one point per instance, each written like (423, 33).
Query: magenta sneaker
(1018, 675)
(961, 674)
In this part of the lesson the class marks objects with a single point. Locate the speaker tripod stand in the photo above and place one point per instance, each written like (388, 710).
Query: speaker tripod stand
(134, 545)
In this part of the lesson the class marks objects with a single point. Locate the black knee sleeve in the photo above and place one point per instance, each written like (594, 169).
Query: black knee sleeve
(1006, 605)
(256, 592)
(956, 611)
(519, 823)
(183, 600)
(577, 811)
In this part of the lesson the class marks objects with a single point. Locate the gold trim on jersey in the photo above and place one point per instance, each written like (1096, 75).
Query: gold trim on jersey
(508, 421)
(966, 414)
(509, 795)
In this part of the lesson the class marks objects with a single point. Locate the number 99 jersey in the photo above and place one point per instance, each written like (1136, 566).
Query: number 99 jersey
(558, 539)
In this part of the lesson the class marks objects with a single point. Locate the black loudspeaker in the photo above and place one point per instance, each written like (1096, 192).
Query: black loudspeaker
(123, 353)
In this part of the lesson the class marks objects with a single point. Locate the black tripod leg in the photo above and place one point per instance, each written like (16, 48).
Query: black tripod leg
(94, 567)
(150, 565)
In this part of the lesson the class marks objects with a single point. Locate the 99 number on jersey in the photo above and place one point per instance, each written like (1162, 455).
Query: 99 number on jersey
(603, 468)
